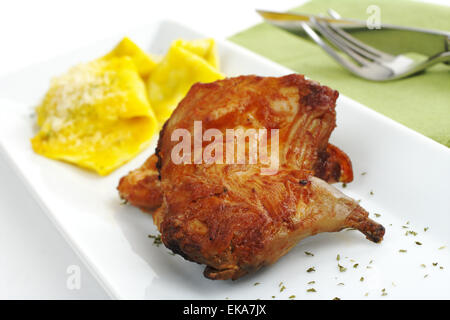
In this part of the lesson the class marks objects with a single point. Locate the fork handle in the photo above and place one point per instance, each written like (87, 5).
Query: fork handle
(439, 58)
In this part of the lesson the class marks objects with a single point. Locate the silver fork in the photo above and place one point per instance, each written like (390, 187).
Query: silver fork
(371, 64)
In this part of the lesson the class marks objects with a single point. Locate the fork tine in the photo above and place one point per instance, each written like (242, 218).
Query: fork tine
(370, 71)
(361, 48)
(318, 40)
(334, 14)
(350, 45)
(337, 41)
(350, 39)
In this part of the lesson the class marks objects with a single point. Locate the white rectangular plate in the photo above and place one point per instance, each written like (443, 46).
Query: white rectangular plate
(406, 180)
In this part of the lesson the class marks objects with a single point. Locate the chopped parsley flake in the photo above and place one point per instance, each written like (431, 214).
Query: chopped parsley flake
(309, 253)
(402, 250)
(311, 282)
(311, 290)
(336, 298)
(361, 279)
(156, 239)
(256, 283)
(356, 265)
(312, 269)
(377, 215)
(418, 243)
(292, 297)
(341, 268)
(426, 229)
(338, 257)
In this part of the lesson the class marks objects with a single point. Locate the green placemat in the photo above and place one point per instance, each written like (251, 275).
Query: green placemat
(421, 102)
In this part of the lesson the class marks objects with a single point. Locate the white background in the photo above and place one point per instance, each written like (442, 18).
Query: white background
(33, 255)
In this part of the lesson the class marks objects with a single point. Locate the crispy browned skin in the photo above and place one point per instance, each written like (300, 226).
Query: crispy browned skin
(333, 165)
(142, 187)
(230, 217)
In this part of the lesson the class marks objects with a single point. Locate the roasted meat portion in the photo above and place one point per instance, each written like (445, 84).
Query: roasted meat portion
(142, 187)
(229, 216)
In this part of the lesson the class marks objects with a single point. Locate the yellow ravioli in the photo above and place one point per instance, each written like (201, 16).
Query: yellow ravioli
(143, 61)
(96, 115)
(186, 63)
(205, 48)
